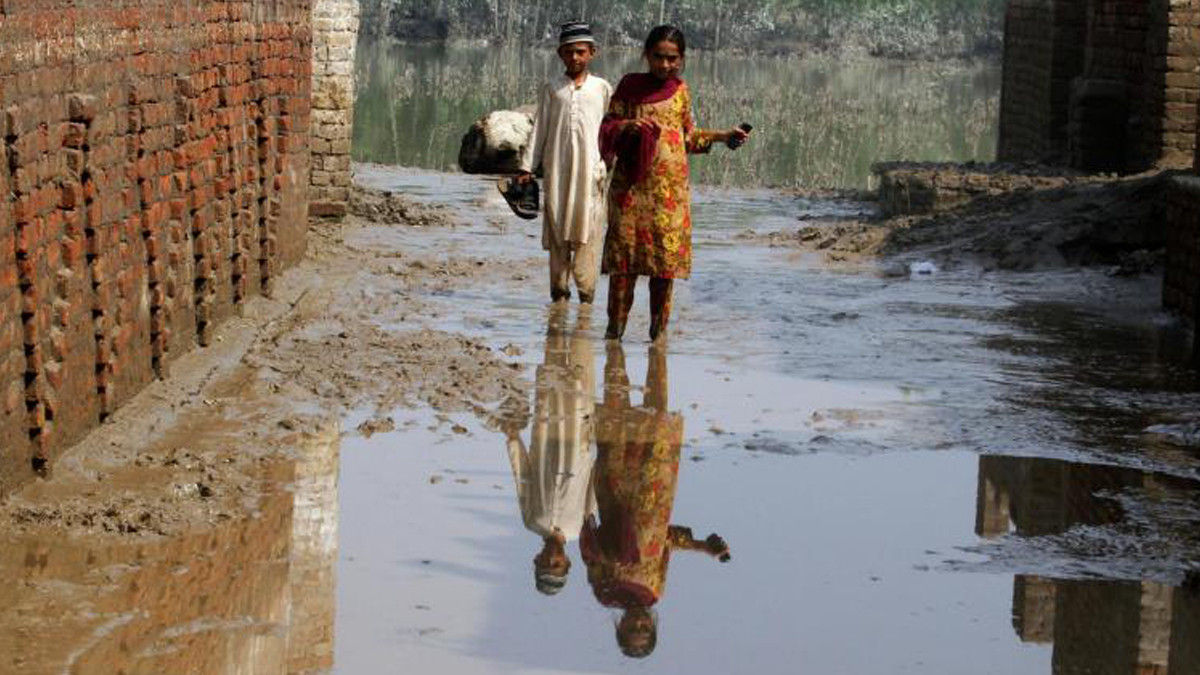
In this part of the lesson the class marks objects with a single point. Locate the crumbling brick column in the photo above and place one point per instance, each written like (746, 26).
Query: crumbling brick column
(335, 35)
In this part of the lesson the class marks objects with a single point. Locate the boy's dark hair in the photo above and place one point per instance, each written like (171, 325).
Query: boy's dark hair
(666, 33)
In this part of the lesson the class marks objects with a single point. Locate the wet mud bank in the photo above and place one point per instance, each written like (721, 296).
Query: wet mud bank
(227, 470)
(1002, 217)
(349, 479)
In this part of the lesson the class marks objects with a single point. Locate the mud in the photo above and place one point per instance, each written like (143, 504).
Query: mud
(391, 208)
(349, 331)
(1088, 221)
(965, 453)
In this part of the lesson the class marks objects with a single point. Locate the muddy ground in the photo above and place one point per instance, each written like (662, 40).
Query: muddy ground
(194, 512)
(352, 327)
(346, 329)
(1101, 221)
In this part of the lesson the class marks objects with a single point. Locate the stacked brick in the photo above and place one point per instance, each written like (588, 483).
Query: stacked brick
(153, 176)
(335, 34)
(915, 188)
(14, 434)
(1043, 54)
(48, 215)
(1171, 88)
(1101, 85)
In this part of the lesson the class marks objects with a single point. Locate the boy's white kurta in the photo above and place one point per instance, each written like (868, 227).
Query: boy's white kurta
(554, 475)
(566, 144)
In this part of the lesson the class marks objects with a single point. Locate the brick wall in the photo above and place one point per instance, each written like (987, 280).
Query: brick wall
(1181, 285)
(1043, 54)
(153, 175)
(1101, 84)
(335, 35)
(1164, 111)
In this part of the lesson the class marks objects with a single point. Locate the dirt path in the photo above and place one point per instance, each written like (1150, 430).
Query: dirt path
(208, 454)
(347, 330)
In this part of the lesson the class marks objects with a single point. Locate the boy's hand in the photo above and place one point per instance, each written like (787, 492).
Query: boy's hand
(524, 177)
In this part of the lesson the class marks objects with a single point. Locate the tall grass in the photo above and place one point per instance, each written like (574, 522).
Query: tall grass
(819, 122)
(909, 28)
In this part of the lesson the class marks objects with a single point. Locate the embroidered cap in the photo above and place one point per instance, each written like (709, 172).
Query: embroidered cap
(575, 31)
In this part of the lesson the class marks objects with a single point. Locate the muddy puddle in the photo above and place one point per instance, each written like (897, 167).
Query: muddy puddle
(961, 472)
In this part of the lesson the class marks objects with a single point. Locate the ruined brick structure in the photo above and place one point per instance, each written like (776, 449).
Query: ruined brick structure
(335, 35)
(154, 170)
(1181, 285)
(1101, 84)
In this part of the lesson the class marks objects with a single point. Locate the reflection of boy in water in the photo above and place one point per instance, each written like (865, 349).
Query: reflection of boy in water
(637, 470)
(554, 475)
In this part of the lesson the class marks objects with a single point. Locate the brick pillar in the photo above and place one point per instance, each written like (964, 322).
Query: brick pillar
(1181, 285)
(14, 433)
(335, 35)
(1043, 54)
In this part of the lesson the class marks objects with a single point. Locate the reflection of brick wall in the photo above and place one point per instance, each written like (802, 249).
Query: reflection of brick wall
(248, 595)
(156, 172)
(1034, 601)
(335, 34)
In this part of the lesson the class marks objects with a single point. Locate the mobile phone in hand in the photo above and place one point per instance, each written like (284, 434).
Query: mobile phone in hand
(735, 143)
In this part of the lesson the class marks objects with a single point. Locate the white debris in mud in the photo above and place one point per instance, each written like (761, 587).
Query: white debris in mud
(1186, 434)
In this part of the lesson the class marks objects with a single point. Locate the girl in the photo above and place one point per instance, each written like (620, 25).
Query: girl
(627, 543)
(647, 135)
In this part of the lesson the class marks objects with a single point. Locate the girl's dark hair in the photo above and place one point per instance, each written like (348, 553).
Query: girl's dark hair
(666, 33)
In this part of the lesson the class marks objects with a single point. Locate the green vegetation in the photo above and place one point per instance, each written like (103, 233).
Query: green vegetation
(886, 28)
(819, 122)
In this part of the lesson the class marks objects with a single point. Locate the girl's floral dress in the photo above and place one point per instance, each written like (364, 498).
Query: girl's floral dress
(650, 222)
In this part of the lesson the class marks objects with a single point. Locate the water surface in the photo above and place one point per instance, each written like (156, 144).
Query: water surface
(928, 475)
(820, 122)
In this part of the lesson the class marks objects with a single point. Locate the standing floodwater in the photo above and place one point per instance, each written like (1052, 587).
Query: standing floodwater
(818, 122)
(832, 469)
(964, 473)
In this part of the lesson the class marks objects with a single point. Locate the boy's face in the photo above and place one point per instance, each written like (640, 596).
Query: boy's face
(577, 56)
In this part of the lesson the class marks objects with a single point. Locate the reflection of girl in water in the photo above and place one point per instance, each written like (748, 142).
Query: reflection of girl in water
(636, 472)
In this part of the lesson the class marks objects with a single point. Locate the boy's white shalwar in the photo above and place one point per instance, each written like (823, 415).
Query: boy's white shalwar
(566, 144)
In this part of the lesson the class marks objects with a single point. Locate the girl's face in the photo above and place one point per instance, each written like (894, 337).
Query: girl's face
(665, 60)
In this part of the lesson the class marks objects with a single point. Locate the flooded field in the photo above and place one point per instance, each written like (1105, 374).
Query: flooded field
(952, 474)
(819, 122)
(964, 472)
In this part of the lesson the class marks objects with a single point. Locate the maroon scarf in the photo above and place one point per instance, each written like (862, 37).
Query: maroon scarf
(634, 147)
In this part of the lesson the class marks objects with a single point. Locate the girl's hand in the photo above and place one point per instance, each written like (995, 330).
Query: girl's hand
(639, 123)
(717, 547)
(736, 137)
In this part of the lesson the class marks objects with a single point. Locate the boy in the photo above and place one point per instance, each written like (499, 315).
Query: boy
(565, 143)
